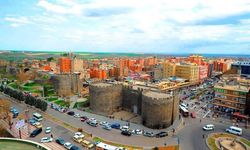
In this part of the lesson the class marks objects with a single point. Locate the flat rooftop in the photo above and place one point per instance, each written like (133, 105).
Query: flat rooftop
(233, 87)
(157, 94)
(101, 84)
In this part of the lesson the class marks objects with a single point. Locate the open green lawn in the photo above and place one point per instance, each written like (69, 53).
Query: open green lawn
(13, 85)
(51, 99)
(14, 145)
(62, 103)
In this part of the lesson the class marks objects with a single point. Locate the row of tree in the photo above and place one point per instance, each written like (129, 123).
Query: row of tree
(27, 98)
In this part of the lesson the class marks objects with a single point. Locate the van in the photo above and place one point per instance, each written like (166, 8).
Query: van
(36, 132)
(234, 130)
(208, 127)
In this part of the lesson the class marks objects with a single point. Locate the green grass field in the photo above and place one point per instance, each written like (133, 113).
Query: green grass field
(14, 145)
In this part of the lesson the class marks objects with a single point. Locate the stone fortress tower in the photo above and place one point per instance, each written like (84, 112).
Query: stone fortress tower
(105, 98)
(158, 110)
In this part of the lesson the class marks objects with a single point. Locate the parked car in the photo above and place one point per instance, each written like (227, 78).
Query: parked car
(93, 123)
(137, 132)
(68, 145)
(208, 127)
(107, 127)
(38, 125)
(46, 139)
(87, 144)
(148, 134)
(48, 130)
(36, 132)
(126, 133)
(77, 115)
(60, 141)
(161, 134)
(103, 123)
(115, 125)
(193, 115)
(79, 134)
(75, 148)
(32, 121)
(71, 113)
(124, 128)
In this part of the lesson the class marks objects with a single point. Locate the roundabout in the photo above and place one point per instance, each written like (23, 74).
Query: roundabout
(217, 141)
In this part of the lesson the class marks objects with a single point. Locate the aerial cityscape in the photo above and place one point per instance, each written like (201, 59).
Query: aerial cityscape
(124, 75)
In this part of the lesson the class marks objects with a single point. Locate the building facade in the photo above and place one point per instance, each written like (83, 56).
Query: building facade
(242, 67)
(188, 71)
(168, 69)
(64, 65)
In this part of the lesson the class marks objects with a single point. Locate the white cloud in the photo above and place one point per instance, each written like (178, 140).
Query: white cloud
(18, 21)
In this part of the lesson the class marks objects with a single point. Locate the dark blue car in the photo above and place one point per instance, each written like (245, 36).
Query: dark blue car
(115, 125)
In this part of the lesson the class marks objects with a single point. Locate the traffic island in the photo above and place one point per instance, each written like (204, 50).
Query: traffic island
(217, 141)
(17, 144)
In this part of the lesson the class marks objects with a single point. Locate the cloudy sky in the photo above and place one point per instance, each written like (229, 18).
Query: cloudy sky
(145, 26)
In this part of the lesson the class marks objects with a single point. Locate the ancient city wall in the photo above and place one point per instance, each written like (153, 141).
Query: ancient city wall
(105, 98)
(62, 84)
(157, 112)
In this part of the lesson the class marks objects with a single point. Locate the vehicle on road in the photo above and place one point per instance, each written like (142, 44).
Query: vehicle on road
(75, 148)
(193, 115)
(79, 134)
(38, 125)
(161, 134)
(48, 130)
(208, 127)
(184, 111)
(67, 145)
(46, 139)
(148, 134)
(137, 132)
(107, 127)
(83, 118)
(124, 128)
(115, 125)
(126, 133)
(234, 130)
(78, 137)
(32, 121)
(37, 116)
(103, 123)
(87, 144)
(92, 122)
(36, 132)
(60, 141)
(71, 113)
(77, 115)
(184, 105)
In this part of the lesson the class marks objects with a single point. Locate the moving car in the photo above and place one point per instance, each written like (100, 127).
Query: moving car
(68, 145)
(137, 132)
(77, 115)
(36, 132)
(48, 130)
(161, 134)
(60, 141)
(234, 130)
(83, 118)
(103, 123)
(126, 133)
(208, 127)
(46, 139)
(148, 134)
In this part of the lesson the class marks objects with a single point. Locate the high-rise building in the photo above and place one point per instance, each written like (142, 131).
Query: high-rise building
(64, 65)
(197, 59)
(203, 72)
(188, 71)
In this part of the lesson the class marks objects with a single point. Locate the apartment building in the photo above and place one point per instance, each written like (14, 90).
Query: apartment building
(64, 65)
(168, 69)
(187, 71)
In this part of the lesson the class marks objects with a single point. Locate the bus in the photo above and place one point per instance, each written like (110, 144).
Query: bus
(37, 116)
(184, 111)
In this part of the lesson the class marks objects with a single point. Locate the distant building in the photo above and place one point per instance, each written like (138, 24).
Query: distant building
(243, 67)
(168, 69)
(203, 72)
(64, 65)
(188, 71)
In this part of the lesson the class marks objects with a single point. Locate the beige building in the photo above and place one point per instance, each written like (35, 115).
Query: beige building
(187, 71)
(168, 69)
(77, 65)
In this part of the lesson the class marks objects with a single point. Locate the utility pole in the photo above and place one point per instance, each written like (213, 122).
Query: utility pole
(27, 119)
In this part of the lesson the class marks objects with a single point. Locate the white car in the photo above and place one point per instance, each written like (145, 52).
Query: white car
(77, 115)
(46, 139)
(48, 130)
(79, 134)
(124, 128)
(103, 123)
(208, 127)
(137, 131)
(68, 145)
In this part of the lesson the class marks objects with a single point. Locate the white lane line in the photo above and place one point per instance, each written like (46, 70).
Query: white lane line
(206, 113)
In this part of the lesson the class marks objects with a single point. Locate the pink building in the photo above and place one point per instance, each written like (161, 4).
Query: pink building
(203, 72)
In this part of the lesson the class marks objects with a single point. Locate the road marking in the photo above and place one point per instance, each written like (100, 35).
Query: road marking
(206, 113)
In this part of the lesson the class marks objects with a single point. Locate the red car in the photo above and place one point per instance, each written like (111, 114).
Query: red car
(193, 115)
(83, 118)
